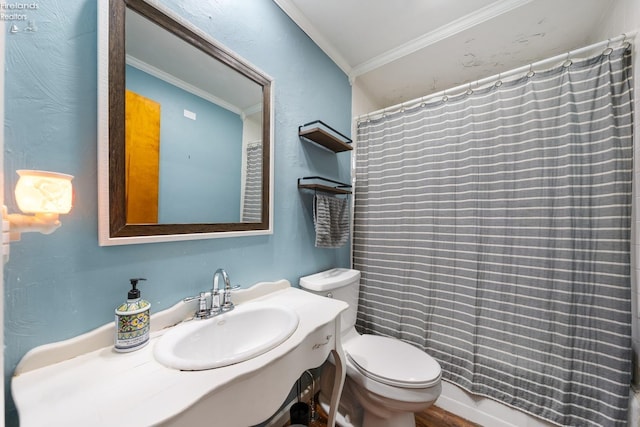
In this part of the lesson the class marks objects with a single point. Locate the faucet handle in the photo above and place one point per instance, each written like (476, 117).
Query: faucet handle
(202, 305)
(215, 302)
(189, 299)
(226, 298)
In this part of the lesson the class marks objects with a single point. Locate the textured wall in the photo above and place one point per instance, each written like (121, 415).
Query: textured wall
(61, 285)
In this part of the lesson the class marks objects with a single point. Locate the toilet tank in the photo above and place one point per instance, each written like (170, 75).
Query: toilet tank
(339, 283)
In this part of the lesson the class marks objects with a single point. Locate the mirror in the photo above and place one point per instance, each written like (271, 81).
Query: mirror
(185, 135)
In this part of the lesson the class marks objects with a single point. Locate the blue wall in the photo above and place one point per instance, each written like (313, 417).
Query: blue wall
(194, 151)
(64, 284)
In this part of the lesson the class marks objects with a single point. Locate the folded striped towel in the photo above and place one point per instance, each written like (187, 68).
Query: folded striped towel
(331, 220)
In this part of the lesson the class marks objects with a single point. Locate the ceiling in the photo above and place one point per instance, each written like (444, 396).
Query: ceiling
(399, 50)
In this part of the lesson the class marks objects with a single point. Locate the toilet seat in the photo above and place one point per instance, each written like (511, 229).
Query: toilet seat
(392, 362)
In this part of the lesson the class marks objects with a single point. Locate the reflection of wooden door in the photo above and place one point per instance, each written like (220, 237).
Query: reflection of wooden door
(142, 157)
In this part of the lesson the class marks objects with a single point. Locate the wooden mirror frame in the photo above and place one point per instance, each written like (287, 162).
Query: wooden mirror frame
(113, 228)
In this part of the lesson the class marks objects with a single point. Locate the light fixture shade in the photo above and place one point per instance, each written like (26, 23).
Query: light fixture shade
(44, 192)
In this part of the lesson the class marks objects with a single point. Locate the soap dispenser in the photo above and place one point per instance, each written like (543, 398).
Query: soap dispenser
(132, 321)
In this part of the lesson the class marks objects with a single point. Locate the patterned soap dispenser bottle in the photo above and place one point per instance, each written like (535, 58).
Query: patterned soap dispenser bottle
(132, 321)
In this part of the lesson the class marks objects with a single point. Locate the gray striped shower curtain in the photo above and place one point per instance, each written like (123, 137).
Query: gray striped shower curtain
(492, 230)
(252, 192)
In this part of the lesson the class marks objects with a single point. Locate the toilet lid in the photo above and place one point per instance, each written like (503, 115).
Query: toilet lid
(393, 362)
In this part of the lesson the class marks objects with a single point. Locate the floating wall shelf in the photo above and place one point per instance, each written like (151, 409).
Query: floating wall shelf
(326, 136)
(318, 183)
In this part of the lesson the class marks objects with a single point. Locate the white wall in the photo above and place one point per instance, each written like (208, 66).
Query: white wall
(623, 17)
(361, 102)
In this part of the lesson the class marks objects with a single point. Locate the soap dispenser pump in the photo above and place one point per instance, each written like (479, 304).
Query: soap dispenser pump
(132, 321)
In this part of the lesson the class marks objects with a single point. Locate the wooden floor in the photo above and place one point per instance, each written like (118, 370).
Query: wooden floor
(432, 417)
(436, 417)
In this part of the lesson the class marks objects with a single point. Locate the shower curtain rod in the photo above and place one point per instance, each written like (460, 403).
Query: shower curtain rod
(567, 56)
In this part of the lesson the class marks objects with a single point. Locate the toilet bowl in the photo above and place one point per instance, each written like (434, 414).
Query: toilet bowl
(388, 380)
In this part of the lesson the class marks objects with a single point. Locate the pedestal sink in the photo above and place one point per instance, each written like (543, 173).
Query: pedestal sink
(78, 382)
(232, 337)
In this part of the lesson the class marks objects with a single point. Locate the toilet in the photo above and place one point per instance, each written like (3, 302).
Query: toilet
(388, 380)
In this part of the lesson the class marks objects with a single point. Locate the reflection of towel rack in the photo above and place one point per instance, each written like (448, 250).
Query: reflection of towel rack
(326, 185)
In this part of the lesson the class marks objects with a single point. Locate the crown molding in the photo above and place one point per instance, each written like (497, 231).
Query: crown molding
(470, 20)
(173, 80)
(454, 27)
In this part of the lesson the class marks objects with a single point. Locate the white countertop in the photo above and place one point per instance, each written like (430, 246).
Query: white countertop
(84, 382)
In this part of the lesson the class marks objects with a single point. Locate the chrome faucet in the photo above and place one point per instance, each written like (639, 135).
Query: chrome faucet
(220, 298)
(216, 304)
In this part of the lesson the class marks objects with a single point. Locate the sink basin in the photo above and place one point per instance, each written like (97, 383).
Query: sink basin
(246, 332)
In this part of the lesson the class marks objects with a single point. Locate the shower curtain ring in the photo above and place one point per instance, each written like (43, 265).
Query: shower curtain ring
(567, 63)
(531, 73)
(469, 90)
(445, 98)
(607, 50)
(625, 43)
(498, 83)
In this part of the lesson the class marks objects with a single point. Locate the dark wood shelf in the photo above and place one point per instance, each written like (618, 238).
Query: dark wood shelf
(337, 188)
(326, 136)
(325, 188)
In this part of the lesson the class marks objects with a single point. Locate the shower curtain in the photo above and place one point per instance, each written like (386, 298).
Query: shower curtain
(492, 230)
(252, 190)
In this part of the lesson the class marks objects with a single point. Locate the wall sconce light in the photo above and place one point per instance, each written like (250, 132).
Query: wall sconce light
(43, 194)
